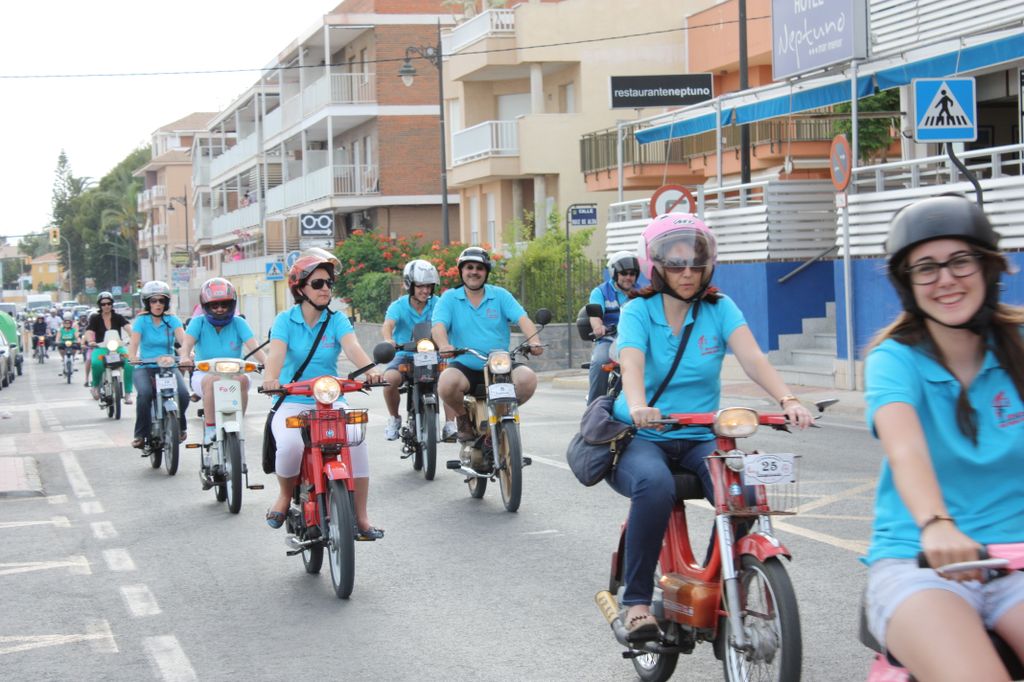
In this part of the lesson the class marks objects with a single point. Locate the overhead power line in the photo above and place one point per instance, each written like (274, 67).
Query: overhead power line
(201, 72)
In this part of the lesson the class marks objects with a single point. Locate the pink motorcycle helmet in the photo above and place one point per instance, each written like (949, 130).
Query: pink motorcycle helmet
(666, 231)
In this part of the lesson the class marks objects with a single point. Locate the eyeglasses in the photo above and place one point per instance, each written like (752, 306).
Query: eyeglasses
(960, 266)
(629, 273)
(472, 267)
(319, 284)
(161, 301)
(106, 304)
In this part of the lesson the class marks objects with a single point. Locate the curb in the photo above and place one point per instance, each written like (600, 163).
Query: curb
(19, 477)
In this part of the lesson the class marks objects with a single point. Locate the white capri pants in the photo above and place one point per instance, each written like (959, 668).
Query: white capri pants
(196, 383)
(289, 444)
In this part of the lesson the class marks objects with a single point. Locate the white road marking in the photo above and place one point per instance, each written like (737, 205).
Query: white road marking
(139, 600)
(33, 421)
(79, 482)
(118, 559)
(97, 633)
(52, 499)
(550, 462)
(87, 439)
(57, 499)
(55, 521)
(551, 531)
(171, 662)
(103, 530)
(77, 565)
(92, 507)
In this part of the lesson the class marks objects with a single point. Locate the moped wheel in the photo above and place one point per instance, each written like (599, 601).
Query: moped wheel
(117, 394)
(771, 623)
(508, 456)
(171, 434)
(69, 368)
(231, 449)
(341, 540)
(156, 452)
(429, 444)
(477, 487)
(655, 667)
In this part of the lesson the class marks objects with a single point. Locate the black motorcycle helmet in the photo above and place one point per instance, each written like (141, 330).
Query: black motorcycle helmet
(474, 254)
(948, 216)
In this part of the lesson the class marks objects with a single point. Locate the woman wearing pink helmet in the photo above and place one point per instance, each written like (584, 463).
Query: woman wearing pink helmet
(677, 252)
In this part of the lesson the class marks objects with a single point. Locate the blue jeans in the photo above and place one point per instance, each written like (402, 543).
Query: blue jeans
(598, 377)
(643, 474)
(144, 388)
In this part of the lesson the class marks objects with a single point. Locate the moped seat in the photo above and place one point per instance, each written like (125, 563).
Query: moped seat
(688, 486)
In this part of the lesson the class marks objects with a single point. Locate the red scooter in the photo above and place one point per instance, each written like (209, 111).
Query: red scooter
(322, 514)
(995, 559)
(741, 600)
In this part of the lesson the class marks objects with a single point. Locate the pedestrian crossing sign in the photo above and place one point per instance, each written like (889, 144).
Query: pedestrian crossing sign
(945, 110)
(275, 270)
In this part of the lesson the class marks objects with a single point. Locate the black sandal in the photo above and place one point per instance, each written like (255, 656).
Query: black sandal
(643, 628)
(370, 534)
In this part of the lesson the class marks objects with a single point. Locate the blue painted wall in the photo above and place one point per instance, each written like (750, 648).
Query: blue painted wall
(772, 308)
(876, 304)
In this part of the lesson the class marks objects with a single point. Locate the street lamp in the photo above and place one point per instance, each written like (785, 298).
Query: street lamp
(183, 201)
(432, 53)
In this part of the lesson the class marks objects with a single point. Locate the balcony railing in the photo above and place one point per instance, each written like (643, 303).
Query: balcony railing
(201, 171)
(597, 150)
(240, 219)
(272, 123)
(341, 88)
(490, 138)
(352, 180)
(244, 150)
(493, 22)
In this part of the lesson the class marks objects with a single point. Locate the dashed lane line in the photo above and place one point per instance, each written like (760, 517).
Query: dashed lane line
(171, 662)
(92, 507)
(118, 560)
(140, 601)
(79, 483)
(103, 530)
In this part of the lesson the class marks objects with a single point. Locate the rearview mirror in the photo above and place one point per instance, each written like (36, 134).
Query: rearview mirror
(383, 353)
(595, 310)
(542, 316)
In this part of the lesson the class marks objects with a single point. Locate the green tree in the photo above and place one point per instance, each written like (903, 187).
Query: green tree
(372, 295)
(538, 275)
(874, 132)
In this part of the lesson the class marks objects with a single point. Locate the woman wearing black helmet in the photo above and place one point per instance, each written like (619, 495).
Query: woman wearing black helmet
(944, 388)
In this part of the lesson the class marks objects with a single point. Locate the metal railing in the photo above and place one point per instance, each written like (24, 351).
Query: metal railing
(243, 151)
(490, 138)
(598, 149)
(488, 23)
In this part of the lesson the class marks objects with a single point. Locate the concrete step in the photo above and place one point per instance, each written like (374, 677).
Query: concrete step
(807, 375)
(825, 340)
(812, 357)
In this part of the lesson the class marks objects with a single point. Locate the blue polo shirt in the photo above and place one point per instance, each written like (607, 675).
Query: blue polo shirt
(611, 299)
(290, 327)
(155, 340)
(223, 343)
(696, 386)
(483, 328)
(406, 318)
(981, 484)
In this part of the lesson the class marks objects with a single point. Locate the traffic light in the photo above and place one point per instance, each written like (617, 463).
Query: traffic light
(55, 236)
(138, 284)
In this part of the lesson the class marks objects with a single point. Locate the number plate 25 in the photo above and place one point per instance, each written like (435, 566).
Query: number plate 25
(504, 390)
(769, 469)
(166, 383)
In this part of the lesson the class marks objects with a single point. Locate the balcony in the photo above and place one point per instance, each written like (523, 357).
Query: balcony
(240, 219)
(490, 138)
(339, 181)
(340, 89)
(201, 171)
(492, 23)
(243, 151)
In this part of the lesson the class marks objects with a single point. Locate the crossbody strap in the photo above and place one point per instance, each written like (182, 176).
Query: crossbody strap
(305, 363)
(679, 356)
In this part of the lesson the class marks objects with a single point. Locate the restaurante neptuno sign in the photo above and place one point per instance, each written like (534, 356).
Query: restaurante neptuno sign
(812, 34)
(673, 90)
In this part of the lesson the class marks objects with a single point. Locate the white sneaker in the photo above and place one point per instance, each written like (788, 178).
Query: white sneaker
(448, 431)
(392, 427)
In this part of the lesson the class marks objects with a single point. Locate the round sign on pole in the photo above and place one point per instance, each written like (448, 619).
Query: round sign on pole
(840, 163)
(667, 199)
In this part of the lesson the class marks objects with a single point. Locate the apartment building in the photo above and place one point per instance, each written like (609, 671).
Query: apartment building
(167, 238)
(46, 271)
(524, 84)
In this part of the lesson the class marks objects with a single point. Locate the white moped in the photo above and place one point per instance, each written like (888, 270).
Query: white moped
(111, 389)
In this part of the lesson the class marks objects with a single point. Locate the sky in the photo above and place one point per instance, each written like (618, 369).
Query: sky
(99, 121)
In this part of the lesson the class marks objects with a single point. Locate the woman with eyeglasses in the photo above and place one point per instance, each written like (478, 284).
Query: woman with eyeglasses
(945, 396)
(99, 324)
(677, 252)
(217, 333)
(291, 340)
(154, 333)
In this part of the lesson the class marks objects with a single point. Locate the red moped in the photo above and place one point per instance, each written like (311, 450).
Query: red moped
(322, 514)
(741, 600)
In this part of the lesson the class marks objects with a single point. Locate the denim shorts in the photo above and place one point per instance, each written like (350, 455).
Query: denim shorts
(891, 581)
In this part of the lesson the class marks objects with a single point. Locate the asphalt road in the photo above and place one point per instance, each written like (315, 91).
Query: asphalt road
(120, 572)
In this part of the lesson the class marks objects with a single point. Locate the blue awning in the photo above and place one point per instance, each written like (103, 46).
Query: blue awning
(949, 64)
(692, 126)
(805, 100)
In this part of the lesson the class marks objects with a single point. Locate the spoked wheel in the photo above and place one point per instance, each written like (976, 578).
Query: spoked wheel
(771, 624)
(231, 448)
(117, 393)
(172, 431)
(342, 542)
(428, 443)
(477, 487)
(508, 456)
(652, 667)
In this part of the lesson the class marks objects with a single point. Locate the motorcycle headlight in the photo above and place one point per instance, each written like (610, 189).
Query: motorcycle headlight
(425, 346)
(499, 362)
(112, 346)
(227, 367)
(735, 422)
(67, 343)
(326, 390)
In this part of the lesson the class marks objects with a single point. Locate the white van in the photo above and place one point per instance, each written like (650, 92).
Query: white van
(38, 302)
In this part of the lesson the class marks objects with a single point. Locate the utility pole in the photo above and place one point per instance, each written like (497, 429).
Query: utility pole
(744, 84)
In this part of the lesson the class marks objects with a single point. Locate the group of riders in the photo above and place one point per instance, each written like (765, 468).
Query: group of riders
(950, 481)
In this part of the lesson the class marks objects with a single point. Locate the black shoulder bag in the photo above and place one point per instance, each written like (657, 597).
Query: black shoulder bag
(595, 450)
(269, 443)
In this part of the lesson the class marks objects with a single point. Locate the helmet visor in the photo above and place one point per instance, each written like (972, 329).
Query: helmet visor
(682, 249)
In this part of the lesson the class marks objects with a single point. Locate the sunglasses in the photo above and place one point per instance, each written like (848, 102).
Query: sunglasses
(319, 284)
(105, 304)
(629, 273)
(161, 301)
(473, 268)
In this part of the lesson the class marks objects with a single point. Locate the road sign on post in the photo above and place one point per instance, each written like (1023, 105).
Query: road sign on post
(275, 271)
(669, 199)
(583, 215)
(840, 163)
(290, 259)
(945, 110)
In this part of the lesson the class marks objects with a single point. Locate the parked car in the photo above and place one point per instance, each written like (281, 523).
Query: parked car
(9, 329)
(123, 308)
(9, 308)
(7, 366)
